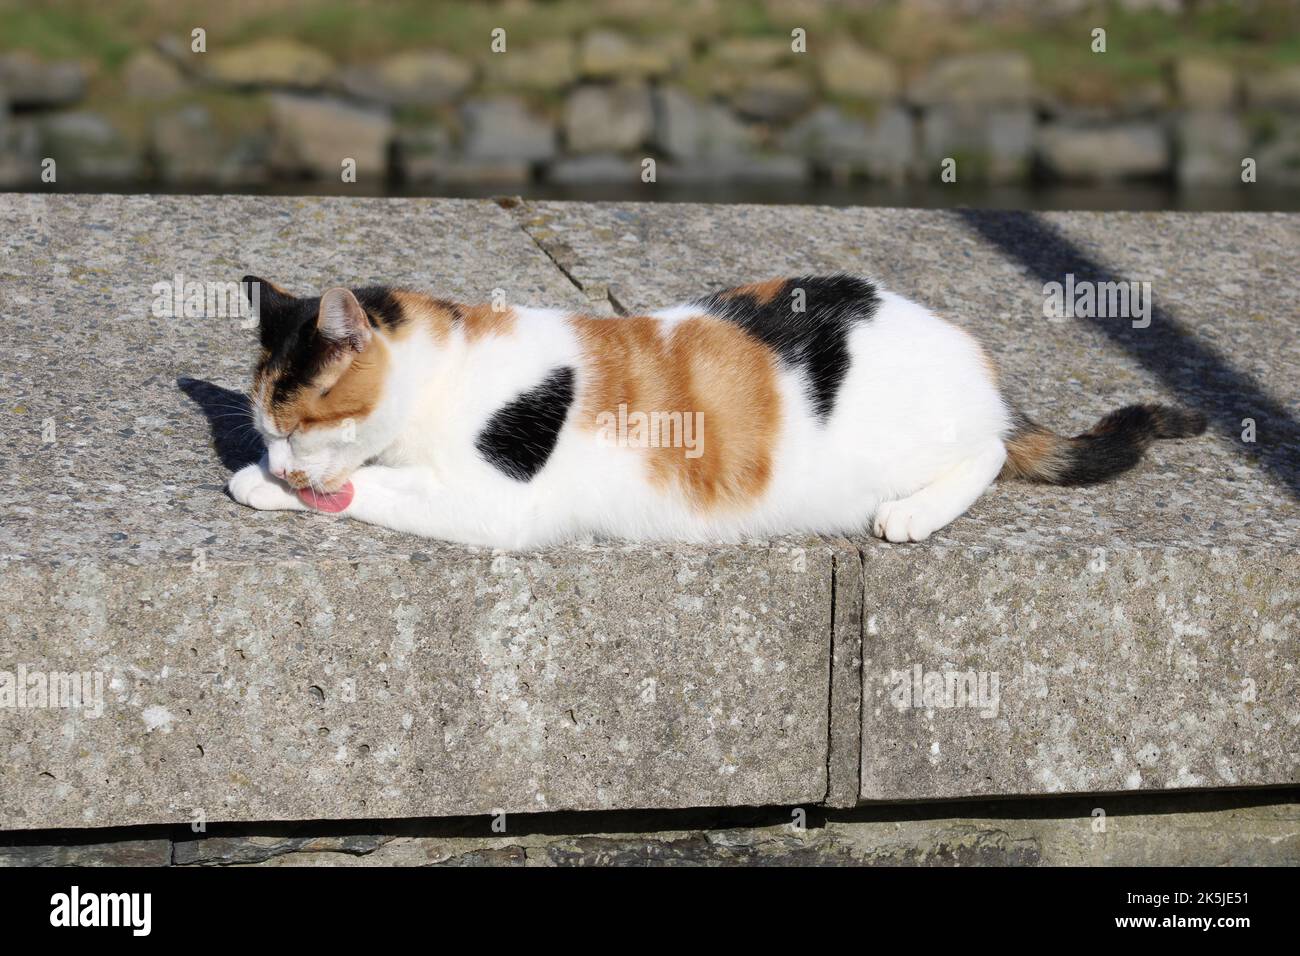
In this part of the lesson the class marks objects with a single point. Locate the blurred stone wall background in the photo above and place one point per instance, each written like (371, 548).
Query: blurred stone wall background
(585, 91)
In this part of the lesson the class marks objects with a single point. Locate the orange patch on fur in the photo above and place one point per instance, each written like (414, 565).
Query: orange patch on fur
(420, 310)
(703, 365)
(1034, 452)
(348, 390)
(482, 321)
(761, 292)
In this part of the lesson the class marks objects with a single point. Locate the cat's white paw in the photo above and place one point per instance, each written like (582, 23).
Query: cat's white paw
(901, 521)
(253, 486)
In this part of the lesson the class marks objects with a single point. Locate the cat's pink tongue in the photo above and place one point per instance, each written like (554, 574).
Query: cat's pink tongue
(331, 502)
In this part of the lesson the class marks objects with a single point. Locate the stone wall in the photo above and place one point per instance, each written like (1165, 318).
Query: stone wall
(592, 107)
(1204, 829)
(250, 666)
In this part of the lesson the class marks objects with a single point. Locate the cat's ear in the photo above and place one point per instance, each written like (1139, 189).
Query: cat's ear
(265, 296)
(342, 321)
(275, 310)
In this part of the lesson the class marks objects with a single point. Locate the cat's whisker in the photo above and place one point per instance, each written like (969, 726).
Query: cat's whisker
(244, 415)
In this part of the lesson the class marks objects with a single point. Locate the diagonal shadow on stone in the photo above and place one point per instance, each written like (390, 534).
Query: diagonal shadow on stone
(230, 417)
(1195, 371)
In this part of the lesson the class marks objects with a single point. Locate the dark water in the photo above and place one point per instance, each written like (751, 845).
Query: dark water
(1134, 196)
(1143, 198)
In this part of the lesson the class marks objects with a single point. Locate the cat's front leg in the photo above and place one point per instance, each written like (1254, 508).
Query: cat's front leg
(255, 486)
(414, 501)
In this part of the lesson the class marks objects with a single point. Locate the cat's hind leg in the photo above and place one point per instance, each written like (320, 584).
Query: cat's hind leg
(915, 517)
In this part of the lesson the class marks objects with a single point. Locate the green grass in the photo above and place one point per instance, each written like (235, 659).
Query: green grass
(70, 30)
(1141, 44)
(349, 30)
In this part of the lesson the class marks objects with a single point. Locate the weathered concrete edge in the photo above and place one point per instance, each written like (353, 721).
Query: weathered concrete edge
(1207, 829)
(844, 724)
(762, 780)
(893, 768)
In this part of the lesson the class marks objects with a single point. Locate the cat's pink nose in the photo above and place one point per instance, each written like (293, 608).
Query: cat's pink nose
(278, 472)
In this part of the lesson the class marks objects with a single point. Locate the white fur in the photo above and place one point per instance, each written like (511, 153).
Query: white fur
(915, 437)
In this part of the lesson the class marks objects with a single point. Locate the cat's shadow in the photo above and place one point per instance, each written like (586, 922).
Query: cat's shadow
(230, 417)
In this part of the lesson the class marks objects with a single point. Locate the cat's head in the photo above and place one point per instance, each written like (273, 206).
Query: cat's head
(319, 398)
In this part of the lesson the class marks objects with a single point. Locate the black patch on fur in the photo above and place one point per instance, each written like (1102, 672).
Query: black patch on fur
(287, 326)
(381, 306)
(814, 340)
(1116, 443)
(457, 310)
(279, 313)
(520, 436)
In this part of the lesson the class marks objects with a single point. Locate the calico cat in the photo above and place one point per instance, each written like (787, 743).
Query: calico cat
(812, 404)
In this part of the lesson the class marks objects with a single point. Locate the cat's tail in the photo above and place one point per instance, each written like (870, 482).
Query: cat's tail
(1113, 445)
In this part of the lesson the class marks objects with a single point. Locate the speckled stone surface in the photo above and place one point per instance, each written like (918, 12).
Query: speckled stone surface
(1092, 671)
(462, 684)
(287, 666)
(1144, 632)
